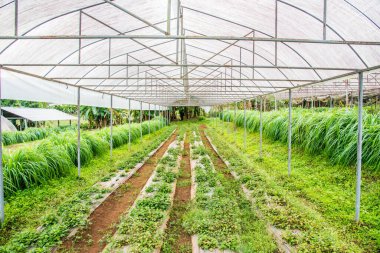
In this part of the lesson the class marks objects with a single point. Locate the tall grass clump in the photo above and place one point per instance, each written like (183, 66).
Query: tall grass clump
(57, 155)
(332, 132)
(31, 134)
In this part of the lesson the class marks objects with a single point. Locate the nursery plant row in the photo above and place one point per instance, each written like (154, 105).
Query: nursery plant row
(332, 132)
(72, 213)
(56, 155)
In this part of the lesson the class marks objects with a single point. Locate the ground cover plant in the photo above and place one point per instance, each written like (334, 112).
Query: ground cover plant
(332, 132)
(57, 154)
(140, 229)
(69, 198)
(315, 206)
(176, 239)
(221, 216)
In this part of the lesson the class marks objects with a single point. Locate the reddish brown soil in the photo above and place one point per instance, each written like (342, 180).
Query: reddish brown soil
(104, 218)
(216, 159)
(182, 240)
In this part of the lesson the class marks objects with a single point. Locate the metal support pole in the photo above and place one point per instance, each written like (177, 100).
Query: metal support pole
(80, 40)
(324, 18)
(129, 125)
(111, 123)
(346, 94)
(168, 17)
(275, 32)
(261, 127)
(2, 201)
(359, 148)
(290, 133)
(149, 118)
(275, 103)
(235, 117)
(245, 127)
(177, 41)
(141, 134)
(78, 128)
(16, 17)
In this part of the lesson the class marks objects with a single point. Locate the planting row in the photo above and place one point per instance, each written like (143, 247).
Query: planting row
(221, 217)
(31, 134)
(57, 154)
(141, 230)
(332, 132)
(73, 212)
(313, 209)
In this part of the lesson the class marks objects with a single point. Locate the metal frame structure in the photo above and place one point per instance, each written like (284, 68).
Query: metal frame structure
(168, 59)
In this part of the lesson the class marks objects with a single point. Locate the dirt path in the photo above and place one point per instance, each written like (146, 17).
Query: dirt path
(104, 218)
(176, 239)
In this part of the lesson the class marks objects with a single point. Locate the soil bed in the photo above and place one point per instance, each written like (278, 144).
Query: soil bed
(176, 238)
(102, 220)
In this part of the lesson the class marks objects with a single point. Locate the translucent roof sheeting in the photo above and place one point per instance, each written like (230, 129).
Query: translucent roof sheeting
(6, 125)
(38, 114)
(193, 52)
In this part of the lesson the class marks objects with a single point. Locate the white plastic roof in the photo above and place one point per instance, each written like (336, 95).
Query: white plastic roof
(38, 114)
(6, 125)
(227, 50)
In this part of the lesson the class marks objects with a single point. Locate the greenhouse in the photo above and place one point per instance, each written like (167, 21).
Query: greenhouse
(191, 126)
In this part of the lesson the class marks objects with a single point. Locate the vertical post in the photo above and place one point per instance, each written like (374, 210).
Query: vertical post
(2, 215)
(346, 94)
(78, 128)
(253, 55)
(168, 17)
(290, 133)
(359, 148)
(111, 123)
(324, 18)
(177, 41)
(245, 126)
(275, 32)
(261, 127)
(149, 118)
(275, 103)
(331, 102)
(235, 117)
(129, 124)
(16, 17)
(141, 135)
(80, 40)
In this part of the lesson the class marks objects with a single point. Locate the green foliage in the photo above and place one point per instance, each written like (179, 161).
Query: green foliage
(332, 132)
(73, 213)
(314, 207)
(31, 134)
(57, 154)
(140, 229)
(221, 215)
(62, 203)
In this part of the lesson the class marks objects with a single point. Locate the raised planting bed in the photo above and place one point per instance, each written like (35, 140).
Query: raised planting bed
(142, 227)
(298, 221)
(72, 210)
(221, 219)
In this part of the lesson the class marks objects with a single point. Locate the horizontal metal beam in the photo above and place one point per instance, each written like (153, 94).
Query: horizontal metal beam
(171, 65)
(153, 86)
(189, 37)
(185, 78)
